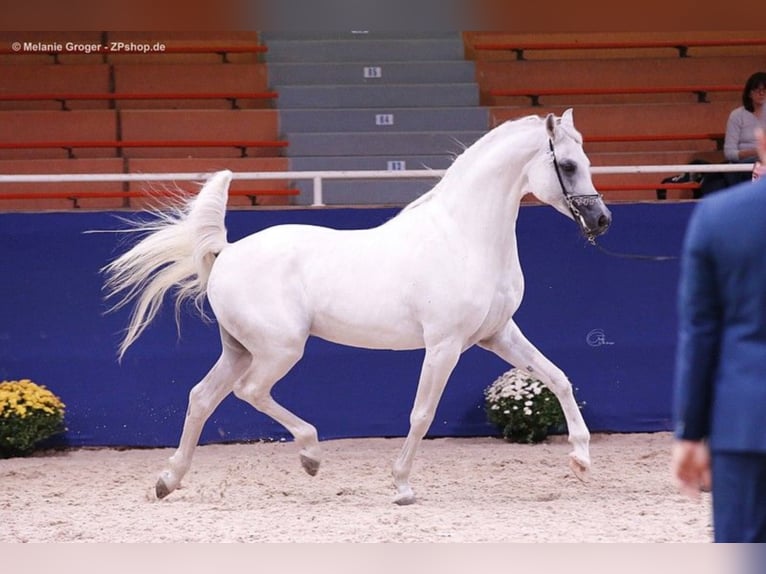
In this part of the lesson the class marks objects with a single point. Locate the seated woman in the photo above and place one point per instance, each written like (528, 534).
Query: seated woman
(739, 144)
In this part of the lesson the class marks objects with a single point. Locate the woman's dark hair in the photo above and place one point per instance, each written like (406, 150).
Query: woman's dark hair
(757, 80)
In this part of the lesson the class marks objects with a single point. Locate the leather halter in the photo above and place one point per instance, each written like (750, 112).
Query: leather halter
(575, 201)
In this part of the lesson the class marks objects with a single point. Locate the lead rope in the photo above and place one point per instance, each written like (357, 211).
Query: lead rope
(578, 216)
(631, 255)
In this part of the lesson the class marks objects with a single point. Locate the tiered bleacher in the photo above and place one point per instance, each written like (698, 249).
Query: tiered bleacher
(135, 103)
(639, 99)
(104, 102)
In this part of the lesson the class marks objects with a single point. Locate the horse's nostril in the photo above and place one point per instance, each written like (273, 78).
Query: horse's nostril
(604, 221)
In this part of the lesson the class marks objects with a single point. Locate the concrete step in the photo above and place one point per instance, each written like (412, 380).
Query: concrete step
(365, 50)
(371, 73)
(365, 191)
(390, 162)
(399, 144)
(397, 96)
(268, 36)
(384, 119)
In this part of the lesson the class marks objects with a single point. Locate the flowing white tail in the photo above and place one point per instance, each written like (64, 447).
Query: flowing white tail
(177, 251)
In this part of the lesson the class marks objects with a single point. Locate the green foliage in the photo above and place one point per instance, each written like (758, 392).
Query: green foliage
(29, 413)
(523, 408)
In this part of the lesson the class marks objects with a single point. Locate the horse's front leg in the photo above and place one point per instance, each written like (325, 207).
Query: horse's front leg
(511, 345)
(438, 364)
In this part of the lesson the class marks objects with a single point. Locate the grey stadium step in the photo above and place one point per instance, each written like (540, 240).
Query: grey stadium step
(365, 191)
(371, 96)
(357, 35)
(382, 119)
(365, 49)
(376, 162)
(389, 143)
(371, 73)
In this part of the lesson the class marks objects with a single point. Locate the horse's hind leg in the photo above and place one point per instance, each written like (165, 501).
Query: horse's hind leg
(511, 345)
(203, 400)
(268, 367)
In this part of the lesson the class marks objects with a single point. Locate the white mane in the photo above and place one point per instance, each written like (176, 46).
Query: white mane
(483, 146)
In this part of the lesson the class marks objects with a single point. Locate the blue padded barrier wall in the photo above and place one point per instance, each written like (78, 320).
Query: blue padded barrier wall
(608, 322)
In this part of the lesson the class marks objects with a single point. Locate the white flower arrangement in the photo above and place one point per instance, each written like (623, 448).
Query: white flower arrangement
(523, 408)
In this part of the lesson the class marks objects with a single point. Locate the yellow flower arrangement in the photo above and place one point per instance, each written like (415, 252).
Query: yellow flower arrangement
(29, 413)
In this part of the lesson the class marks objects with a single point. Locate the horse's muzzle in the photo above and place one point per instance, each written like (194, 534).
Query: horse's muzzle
(602, 224)
(591, 213)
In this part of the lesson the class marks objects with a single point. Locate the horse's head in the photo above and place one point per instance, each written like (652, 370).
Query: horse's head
(560, 176)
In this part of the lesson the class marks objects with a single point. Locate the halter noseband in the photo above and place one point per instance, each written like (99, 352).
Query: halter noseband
(574, 201)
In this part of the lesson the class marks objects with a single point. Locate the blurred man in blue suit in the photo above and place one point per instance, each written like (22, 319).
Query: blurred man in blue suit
(720, 393)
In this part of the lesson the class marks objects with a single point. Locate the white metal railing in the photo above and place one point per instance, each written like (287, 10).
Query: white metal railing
(319, 176)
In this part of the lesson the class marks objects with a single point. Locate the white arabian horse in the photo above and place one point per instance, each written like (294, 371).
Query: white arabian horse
(443, 275)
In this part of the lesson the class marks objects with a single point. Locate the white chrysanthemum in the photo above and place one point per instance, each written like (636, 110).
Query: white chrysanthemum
(522, 406)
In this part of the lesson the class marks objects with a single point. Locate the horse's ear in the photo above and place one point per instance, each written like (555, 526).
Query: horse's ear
(550, 125)
(567, 117)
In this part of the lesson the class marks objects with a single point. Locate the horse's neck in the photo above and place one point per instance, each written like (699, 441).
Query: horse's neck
(484, 199)
(481, 193)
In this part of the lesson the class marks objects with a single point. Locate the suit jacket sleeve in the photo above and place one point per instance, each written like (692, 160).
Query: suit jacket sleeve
(700, 328)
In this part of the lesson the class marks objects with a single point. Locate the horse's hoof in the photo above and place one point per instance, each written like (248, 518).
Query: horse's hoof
(310, 465)
(405, 498)
(579, 467)
(161, 489)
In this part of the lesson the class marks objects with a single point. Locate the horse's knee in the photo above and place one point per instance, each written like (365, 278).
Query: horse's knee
(420, 420)
(559, 385)
(566, 391)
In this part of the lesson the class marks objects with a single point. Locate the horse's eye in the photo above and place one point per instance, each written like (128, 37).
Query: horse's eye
(568, 167)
